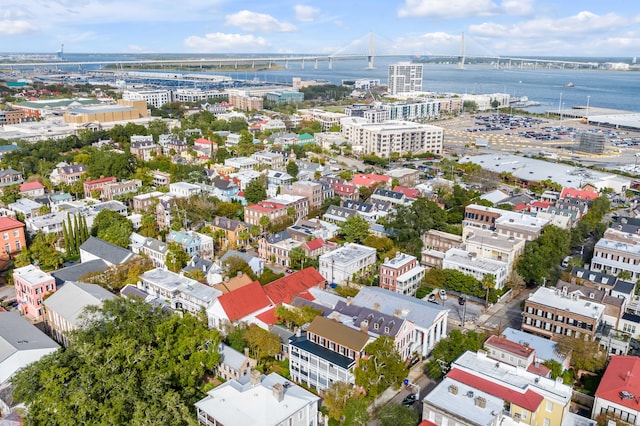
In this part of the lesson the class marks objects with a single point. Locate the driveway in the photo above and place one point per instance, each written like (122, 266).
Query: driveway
(7, 292)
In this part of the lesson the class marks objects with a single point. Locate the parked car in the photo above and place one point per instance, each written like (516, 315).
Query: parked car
(409, 399)
(443, 294)
(461, 300)
(431, 297)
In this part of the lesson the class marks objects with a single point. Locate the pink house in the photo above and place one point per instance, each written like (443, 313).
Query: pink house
(32, 189)
(32, 285)
(401, 274)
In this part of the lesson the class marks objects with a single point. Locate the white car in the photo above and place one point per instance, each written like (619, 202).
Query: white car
(443, 294)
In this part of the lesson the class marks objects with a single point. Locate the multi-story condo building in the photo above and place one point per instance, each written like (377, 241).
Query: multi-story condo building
(157, 98)
(145, 202)
(341, 265)
(32, 285)
(184, 189)
(326, 353)
(244, 102)
(232, 229)
(616, 397)
(479, 390)
(485, 102)
(285, 97)
(553, 312)
(613, 256)
(471, 264)
(404, 77)
(492, 245)
(402, 137)
(512, 224)
(276, 212)
(277, 247)
(241, 164)
(401, 274)
(413, 110)
(327, 119)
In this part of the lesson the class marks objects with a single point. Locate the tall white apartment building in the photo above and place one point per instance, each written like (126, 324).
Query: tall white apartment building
(382, 139)
(404, 77)
(157, 98)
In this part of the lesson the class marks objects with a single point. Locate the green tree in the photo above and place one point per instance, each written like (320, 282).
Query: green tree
(112, 227)
(292, 168)
(176, 257)
(268, 276)
(10, 194)
(131, 363)
(381, 368)
(355, 229)
(296, 317)
(542, 256)
(449, 349)
(396, 414)
(585, 354)
(297, 257)
(356, 412)
(41, 252)
(235, 264)
(256, 191)
(336, 397)
(555, 367)
(262, 344)
(488, 282)
(265, 223)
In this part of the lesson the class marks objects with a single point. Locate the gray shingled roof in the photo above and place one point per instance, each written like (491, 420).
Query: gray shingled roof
(17, 334)
(74, 272)
(74, 297)
(109, 252)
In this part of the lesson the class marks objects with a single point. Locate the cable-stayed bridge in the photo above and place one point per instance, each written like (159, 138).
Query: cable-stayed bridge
(364, 48)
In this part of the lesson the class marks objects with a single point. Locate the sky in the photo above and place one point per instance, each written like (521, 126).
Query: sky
(576, 28)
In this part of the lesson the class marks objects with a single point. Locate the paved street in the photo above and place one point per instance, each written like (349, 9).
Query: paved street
(7, 292)
(505, 315)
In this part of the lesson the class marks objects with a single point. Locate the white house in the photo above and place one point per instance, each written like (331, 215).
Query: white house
(340, 265)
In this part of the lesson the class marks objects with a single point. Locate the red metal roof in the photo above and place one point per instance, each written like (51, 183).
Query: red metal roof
(529, 400)
(285, 289)
(621, 382)
(502, 343)
(243, 301)
(427, 423)
(8, 223)
(28, 186)
(265, 207)
(315, 244)
(101, 180)
(268, 317)
(408, 192)
(368, 179)
(583, 194)
(202, 141)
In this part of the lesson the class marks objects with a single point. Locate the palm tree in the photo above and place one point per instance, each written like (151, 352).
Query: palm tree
(488, 282)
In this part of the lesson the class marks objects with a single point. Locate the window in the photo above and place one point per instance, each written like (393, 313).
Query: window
(5, 235)
(16, 233)
(549, 406)
(7, 248)
(547, 421)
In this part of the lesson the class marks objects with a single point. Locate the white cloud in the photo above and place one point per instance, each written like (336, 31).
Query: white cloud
(14, 27)
(306, 13)
(258, 22)
(446, 8)
(222, 42)
(464, 8)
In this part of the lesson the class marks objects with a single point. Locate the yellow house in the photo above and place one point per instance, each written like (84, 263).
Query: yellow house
(479, 390)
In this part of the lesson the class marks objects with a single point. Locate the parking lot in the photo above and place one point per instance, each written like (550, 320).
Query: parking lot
(470, 311)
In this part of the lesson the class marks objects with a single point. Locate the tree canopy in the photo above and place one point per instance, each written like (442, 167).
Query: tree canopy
(542, 256)
(355, 229)
(447, 350)
(255, 191)
(112, 227)
(131, 364)
(381, 368)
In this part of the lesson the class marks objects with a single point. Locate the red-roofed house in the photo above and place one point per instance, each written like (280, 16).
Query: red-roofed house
(540, 206)
(346, 191)
(204, 147)
(587, 193)
(369, 180)
(32, 189)
(513, 353)
(11, 236)
(408, 192)
(618, 394)
(96, 185)
(241, 304)
(479, 390)
(274, 211)
(317, 247)
(285, 289)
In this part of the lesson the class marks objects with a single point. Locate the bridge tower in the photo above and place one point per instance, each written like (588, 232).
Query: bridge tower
(315, 65)
(370, 56)
(330, 63)
(303, 64)
(462, 53)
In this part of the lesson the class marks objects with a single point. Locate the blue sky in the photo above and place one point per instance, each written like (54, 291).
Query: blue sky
(416, 27)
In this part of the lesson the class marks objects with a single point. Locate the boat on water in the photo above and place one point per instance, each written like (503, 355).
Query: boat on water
(569, 84)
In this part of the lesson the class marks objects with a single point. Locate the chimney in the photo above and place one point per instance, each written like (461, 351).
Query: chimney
(278, 392)
(246, 352)
(255, 377)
